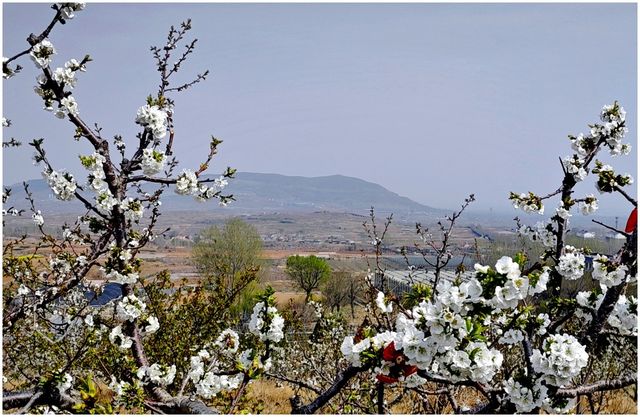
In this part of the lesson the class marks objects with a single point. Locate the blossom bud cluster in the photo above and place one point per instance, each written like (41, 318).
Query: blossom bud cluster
(608, 180)
(561, 359)
(266, 323)
(571, 264)
(530, 203)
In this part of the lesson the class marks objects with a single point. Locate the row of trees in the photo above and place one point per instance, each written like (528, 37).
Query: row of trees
(509, 339)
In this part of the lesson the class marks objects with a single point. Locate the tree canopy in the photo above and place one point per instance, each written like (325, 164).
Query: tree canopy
(308, 272)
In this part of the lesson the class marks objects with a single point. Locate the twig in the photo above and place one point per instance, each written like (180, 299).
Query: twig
(610, 228)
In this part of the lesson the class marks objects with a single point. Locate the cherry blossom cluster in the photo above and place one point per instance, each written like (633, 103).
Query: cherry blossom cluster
(120, 339)
(516, 287)
(380, 302)
(562, 358)
(68, 9)
(525, 395)
(37, 217)
(154, 119)
(624, 317)
(608, 180)
(589, 205)
(610, 133)
(205, 374)
(266, 323)
(571, 263)
(132, 208)
(228, 341)
(542, 232)
(152, 161)
(575, 165)
(65, 382)
(608, 272)
(130, 308)
(205, 371)
(563, 211)
(118, 268)
(95, 180)
(157, 374)
(42, 53)
(530, 203)
(64, 77)
(613, 130)
(62, 184)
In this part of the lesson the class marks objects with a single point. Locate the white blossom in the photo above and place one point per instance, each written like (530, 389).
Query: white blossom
(153, 118)
(66, 382)
(130, 308)
(67, 9)
(152, 161)
(589, 206)
(607, 272)
(187, 183)
(70, 105)
(571, 264)
(62, 184)
(228, 341)
(41, 53)
(561, 359)
(524, 398)
(132, 208)
(120, 339)
(37, 218)
(385, 308)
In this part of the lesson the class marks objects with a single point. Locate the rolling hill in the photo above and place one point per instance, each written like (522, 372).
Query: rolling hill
(257, 193)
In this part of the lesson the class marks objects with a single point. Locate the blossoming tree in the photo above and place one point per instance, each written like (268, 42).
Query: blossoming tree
(54, 337)
(509, 338)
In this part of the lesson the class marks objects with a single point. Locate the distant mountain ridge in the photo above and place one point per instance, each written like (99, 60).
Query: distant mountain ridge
(256, 192)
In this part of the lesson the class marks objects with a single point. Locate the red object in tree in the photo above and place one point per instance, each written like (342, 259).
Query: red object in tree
(392, 355)
(632, 222)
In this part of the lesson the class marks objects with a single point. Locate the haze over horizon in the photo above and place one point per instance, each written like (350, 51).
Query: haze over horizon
(431, 101)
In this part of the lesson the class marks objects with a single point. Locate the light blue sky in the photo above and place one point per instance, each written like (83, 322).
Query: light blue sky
(433, 101)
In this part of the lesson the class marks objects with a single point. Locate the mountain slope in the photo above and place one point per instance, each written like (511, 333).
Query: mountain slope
(256, 192)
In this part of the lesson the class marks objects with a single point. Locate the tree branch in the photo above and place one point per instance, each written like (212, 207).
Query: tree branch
(598, 387)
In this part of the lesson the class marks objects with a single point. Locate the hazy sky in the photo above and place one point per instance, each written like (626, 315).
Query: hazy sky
(433, 101)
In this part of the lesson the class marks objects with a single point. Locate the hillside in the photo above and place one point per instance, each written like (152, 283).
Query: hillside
(257, 193)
